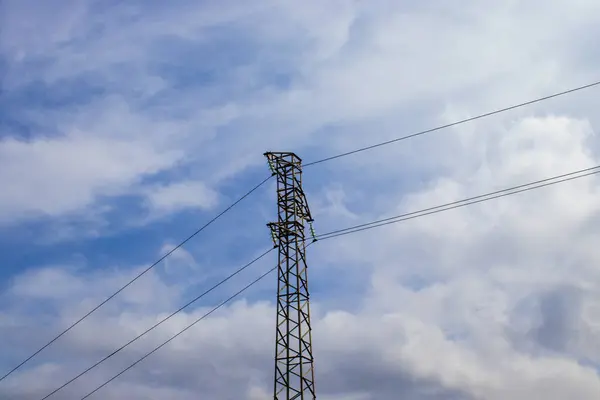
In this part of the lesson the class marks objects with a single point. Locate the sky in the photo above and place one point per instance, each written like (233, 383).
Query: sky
(125, 126)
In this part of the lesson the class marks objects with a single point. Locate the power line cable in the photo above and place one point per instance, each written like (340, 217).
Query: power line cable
(306, 165)
(465, 202)
(399, 218)
(181, 332)
(463, 121)
(159, 323)
(187, 327)
(135, 278)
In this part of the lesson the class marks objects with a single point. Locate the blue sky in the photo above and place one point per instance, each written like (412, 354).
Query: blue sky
(125, 126)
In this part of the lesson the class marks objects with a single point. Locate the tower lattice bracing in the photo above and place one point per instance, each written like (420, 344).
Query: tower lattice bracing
(294, 362)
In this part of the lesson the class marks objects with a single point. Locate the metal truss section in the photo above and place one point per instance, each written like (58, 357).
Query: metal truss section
(294, 362)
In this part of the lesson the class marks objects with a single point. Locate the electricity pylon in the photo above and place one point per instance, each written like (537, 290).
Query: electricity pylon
(294, 362)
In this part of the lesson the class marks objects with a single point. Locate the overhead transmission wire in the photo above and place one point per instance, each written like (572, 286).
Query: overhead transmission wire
(375, 224)
(74, 324)
(463, 121)
(464, 202)
(156, 325)
(221, 304)
(460, 122)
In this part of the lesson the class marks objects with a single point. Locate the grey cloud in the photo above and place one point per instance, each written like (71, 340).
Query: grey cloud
(560, 312)
(363, 372)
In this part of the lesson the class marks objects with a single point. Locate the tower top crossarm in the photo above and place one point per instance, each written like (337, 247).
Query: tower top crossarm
(287, 165)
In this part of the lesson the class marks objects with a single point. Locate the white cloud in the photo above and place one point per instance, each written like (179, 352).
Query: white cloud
(355, 64)
(179, 260)
(54, 176)
(182, 195)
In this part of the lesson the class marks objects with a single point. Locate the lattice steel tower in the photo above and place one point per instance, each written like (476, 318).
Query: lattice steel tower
(294, 362)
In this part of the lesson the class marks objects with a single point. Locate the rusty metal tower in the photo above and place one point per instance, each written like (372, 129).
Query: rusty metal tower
(294, 362)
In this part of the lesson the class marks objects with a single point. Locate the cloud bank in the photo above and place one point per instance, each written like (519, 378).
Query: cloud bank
(120, 119)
